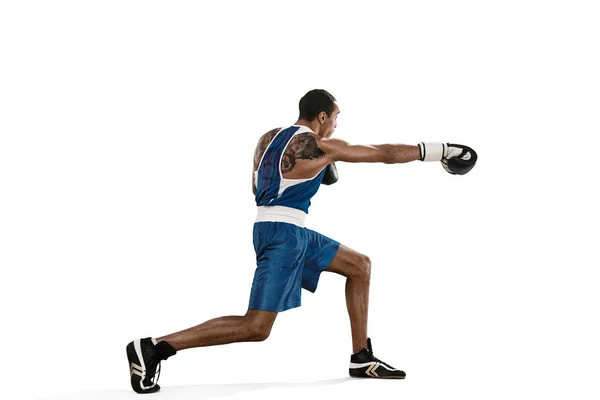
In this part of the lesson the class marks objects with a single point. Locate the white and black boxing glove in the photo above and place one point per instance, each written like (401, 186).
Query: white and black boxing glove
(331, 175)
(456, 158)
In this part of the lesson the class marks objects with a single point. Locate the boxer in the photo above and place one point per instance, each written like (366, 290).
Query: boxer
(290, 164)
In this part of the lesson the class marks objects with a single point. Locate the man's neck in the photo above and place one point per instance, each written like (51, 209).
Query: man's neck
(313, 125)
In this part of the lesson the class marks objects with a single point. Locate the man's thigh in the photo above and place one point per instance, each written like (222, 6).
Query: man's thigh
(280, 251)
(319, 253)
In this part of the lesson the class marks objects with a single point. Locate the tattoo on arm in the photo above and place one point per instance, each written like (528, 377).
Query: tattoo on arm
(302, 147)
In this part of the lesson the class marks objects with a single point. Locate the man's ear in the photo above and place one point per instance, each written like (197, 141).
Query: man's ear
(322, 116)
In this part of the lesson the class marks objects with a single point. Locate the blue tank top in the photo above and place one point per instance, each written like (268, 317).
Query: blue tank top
(272, 189)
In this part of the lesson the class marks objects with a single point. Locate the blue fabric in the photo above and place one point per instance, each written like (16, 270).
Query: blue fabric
(268, 172)
(288, 259)
(269, 177)
(298, 196)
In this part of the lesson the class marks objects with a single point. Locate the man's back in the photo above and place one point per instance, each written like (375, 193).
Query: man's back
(288, 168)
(302, 158)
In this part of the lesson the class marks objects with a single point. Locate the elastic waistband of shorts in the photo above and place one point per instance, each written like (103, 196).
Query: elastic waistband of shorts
(281, 214)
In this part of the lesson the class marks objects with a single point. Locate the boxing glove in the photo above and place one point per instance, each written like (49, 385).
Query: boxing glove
(331, 176)
(455, 158)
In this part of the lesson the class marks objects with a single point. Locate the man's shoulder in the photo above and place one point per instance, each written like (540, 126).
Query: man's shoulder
(269, 135)
(330, 144)
(266, 138)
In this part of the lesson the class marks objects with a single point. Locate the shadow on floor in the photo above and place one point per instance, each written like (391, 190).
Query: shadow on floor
(196, 392)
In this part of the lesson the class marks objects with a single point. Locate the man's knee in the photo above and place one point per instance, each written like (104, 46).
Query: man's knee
(364, 267)
(259, 334)
(258, 325)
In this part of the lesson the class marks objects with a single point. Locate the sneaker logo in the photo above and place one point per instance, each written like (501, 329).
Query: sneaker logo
(136, 369)
(371, 370)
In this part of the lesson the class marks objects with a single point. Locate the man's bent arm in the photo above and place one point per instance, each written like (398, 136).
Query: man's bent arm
(340, 150)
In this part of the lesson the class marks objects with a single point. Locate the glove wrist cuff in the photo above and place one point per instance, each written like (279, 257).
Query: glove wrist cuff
(432, 151)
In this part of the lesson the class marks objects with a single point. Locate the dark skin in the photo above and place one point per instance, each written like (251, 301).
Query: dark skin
(305, 156)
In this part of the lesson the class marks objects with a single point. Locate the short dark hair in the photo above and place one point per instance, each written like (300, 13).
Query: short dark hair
(314, 102)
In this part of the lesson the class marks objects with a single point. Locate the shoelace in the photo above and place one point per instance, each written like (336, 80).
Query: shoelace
(370, 350)
(154, 365)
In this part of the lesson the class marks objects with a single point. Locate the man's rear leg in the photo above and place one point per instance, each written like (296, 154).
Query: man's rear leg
(255, 326)
(145, 355)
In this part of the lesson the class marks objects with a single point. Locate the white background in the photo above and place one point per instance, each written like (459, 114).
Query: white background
(127, 135)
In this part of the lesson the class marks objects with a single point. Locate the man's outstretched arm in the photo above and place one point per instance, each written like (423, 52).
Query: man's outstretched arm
(456, 158)
(340, 150)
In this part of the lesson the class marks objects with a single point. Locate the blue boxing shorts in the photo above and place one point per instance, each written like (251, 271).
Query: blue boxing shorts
(288, 258)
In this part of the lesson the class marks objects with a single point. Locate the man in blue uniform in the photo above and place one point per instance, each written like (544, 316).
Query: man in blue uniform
(290, 164)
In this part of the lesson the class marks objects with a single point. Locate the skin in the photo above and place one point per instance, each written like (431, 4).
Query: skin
(306, 155)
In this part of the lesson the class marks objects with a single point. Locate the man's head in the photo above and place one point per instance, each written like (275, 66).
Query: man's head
(319, 108)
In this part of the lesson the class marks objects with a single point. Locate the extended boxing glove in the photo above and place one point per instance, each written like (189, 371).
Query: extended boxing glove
(331, 176)
(455, 158)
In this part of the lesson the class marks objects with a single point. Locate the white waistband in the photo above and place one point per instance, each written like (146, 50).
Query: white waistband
(281, 214)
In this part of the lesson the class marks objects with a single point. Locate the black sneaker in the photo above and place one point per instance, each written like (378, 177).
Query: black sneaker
(144, 357)
(364, 365)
